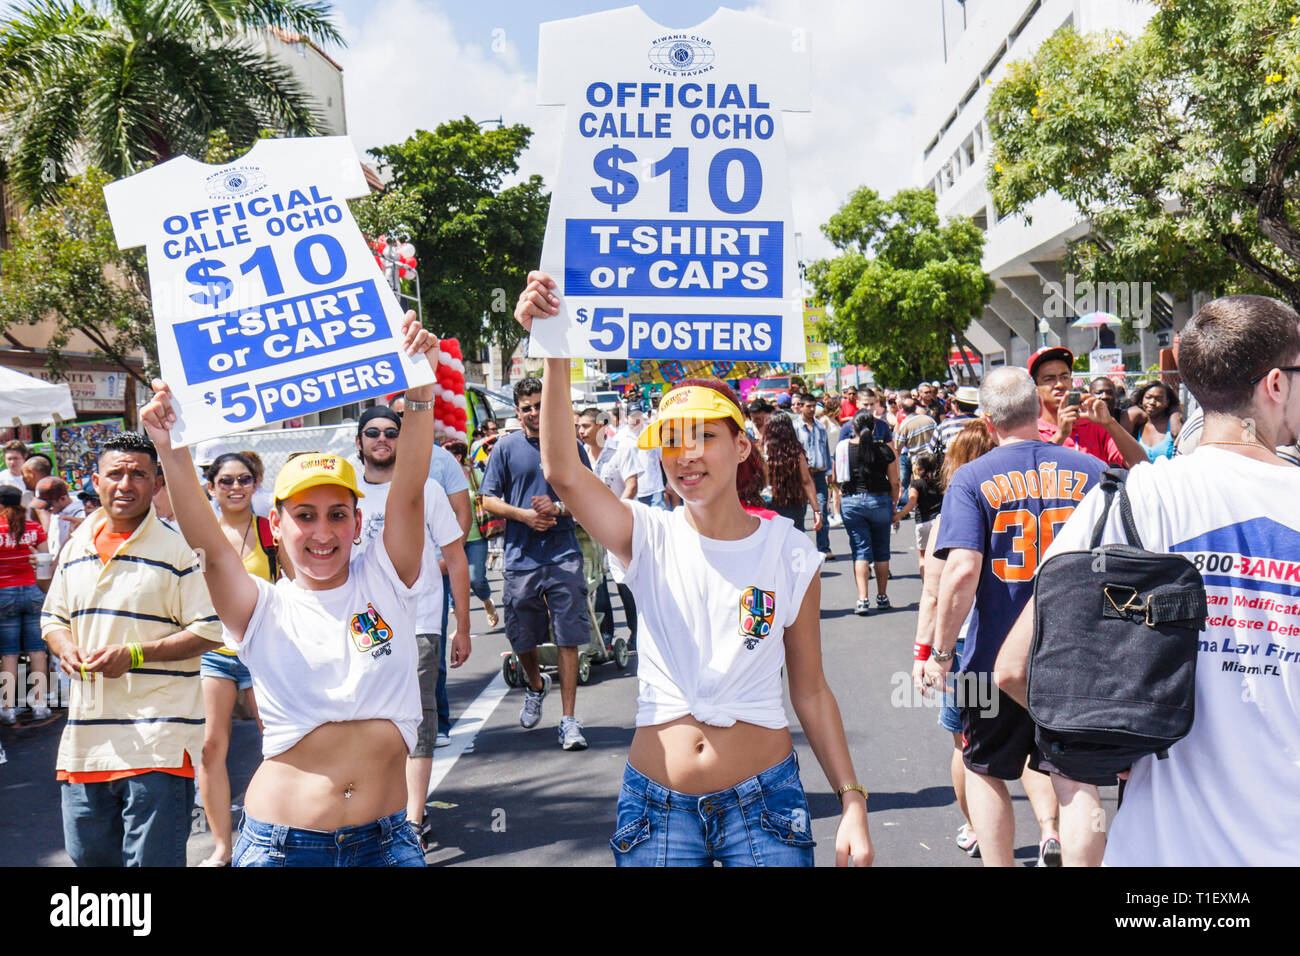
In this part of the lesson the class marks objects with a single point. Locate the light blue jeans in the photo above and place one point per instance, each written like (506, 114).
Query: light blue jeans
(762, 821)
(388, 841)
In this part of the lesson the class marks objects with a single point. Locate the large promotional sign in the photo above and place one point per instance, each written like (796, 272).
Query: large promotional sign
(670, 229)
(267, 302)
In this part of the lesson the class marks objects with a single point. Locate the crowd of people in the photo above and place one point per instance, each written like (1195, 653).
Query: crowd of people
(329, 606)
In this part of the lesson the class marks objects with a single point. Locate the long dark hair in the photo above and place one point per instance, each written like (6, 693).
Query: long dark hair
(751, 469)
(11, 506)
(784, 452)
(221, 461)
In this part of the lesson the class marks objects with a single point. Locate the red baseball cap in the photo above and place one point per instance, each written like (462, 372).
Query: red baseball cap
(1050, 352)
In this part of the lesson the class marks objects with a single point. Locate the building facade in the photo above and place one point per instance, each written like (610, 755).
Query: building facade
(1034, 299)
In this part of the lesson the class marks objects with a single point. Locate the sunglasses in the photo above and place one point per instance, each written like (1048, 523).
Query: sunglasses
(229, 481)
(389, 433)
(1281, 368)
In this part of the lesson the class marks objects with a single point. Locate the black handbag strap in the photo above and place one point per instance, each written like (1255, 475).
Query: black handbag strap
(1112, 485)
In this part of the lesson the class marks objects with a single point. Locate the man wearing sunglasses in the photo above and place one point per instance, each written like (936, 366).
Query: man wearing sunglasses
(444, 541)
(1231, 509)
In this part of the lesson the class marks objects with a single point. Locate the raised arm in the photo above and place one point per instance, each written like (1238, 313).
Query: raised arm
(233, 592)
(404, 513)
(593, 505)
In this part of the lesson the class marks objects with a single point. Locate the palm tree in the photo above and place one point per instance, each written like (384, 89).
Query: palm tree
(123, 84)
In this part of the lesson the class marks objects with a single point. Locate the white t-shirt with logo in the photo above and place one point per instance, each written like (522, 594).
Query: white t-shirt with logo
(1226, 794)
(671, 232)
(319, 657)
(440, 528)
(711, 617)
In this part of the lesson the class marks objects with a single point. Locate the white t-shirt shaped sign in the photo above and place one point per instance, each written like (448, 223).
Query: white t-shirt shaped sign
(267, 302)
(670, 232)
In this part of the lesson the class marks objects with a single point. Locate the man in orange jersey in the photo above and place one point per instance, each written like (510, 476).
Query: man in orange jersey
(999, 515)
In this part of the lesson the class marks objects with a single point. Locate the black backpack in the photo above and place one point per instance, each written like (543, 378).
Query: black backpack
(1112, 671)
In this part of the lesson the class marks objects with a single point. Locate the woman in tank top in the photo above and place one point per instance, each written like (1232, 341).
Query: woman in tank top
(725, 601)
(1157, 419)
(232, 480)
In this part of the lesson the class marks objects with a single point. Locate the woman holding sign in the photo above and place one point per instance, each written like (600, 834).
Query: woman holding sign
(725, 601)
(332, 652)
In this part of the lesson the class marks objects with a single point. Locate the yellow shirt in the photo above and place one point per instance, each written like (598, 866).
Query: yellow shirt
(258, 565)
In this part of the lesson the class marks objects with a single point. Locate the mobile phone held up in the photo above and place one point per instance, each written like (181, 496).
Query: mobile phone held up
(1074, 398)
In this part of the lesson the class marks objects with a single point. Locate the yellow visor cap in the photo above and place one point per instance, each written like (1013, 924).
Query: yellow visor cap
(308, 471)
(690, 402)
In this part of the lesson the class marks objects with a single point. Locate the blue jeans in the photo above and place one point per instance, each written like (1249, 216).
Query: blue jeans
(654, 500)
(824, 533)
(904, 474)
(762, 821)
(20, 619)
(950, 713)
(867, 519)
(136, 821)
(476, 554)
(388, 841)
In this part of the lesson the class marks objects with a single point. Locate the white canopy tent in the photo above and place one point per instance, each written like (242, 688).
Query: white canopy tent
(29, 401)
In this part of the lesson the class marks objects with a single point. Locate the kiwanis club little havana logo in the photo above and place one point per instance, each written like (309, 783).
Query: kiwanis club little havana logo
(757, 611)
(370, 632)
(681, 54)
(235, 181)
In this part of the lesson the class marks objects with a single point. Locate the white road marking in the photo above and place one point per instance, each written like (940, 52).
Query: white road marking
(466, 728)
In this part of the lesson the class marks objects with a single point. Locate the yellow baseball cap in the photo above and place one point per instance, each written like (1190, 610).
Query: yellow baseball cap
(308, 471)
(690, 401)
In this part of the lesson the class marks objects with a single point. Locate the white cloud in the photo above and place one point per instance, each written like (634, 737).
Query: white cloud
(406, 69)
(871, 64)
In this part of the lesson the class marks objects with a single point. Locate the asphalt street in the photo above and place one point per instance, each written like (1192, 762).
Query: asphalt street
(503, 796)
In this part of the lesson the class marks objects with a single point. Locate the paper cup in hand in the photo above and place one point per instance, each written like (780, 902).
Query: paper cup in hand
(44, 566)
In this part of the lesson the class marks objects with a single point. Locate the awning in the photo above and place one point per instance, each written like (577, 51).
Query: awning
(29, 401)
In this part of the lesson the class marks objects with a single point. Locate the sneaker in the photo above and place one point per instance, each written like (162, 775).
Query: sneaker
(8, 715)
(442, 740)
(40, 713)
(882, 602)
(532, 710)
(968, 842)
(571, 734)
(863, 607)
(1049, 852)
(835, 521)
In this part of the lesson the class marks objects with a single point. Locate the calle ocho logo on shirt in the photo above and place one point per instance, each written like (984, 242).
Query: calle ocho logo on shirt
(370, 632)
(757, 611)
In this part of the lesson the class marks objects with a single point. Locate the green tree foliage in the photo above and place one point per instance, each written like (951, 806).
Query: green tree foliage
(64, 264)
(475, 240)
(1181, 145)
(127, 83)
(903, 285)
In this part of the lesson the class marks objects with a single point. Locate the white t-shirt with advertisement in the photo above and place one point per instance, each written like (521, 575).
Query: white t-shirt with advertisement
(1225, 796)
(645, 466)
(440, 528)
(319, 657)
(711, 617)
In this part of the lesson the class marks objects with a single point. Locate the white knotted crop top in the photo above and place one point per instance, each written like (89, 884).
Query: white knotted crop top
(711, 616)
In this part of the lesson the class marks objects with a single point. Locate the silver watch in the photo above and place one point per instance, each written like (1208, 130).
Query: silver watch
(941, 657)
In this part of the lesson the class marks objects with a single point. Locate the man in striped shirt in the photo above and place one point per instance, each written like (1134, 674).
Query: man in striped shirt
(129, 616)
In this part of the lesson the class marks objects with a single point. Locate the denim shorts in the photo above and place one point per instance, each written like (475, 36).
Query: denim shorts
(20, 620)
(762, 821)
(388, 841)
(867, 519)
(225, 667)
(950, 713)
